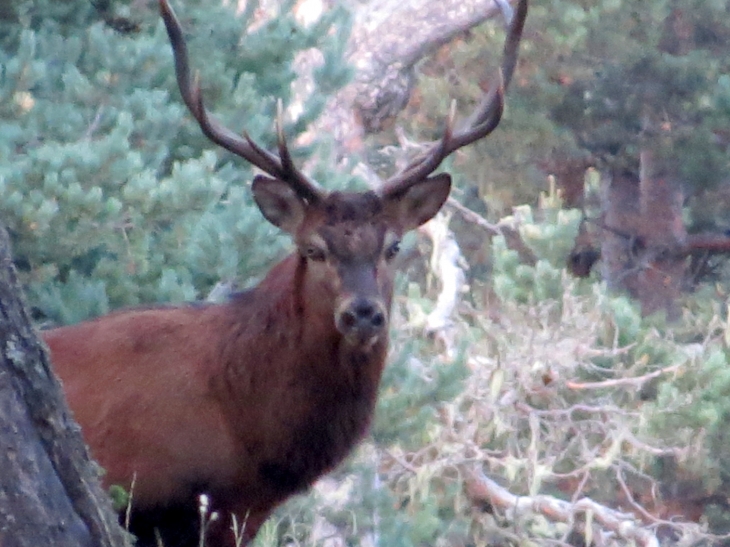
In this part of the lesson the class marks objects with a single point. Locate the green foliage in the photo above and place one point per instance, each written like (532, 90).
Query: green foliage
(120, 498)
(411, 393)
(111, 194)
(550, 240)
(590, 74)
(685, 408)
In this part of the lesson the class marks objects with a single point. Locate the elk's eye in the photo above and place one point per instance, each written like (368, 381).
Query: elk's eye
(314, 253)
(392, 250)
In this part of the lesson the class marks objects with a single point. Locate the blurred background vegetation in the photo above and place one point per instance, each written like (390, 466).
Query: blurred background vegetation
(554, 386)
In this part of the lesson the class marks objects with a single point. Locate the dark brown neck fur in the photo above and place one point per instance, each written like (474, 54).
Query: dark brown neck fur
(308, 396)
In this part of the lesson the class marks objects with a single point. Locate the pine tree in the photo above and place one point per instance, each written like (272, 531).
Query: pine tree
(638, 93)
(111, 193)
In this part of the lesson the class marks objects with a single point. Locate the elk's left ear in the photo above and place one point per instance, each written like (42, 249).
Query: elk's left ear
(420, 202)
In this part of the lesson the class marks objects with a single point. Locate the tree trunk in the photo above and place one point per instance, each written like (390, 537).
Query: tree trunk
(662, 230)
(644, 246)
(389, 38)
(620, 206)
(49, 488)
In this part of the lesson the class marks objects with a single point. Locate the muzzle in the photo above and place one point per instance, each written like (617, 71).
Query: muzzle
(361, 320)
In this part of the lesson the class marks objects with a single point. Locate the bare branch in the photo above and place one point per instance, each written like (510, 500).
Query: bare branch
(482, 489)
(635, 381)
(447, 264)
(472, 217)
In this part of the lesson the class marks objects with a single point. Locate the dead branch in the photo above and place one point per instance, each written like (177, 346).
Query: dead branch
(389, 38)
(472, 217)
(481, 489)
(636, 381)
(447, 265)
(712, 242)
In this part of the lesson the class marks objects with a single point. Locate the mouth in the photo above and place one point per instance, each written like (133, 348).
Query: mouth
(362, 340)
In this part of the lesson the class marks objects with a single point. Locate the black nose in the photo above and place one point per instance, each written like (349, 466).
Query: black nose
(363, 312)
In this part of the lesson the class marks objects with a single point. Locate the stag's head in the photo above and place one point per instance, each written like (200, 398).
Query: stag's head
(349, 240)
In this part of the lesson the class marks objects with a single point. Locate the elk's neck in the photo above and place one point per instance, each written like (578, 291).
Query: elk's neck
(292, 385)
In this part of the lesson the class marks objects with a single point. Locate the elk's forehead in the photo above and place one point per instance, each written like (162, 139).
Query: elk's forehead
(346, 207)
(354, 227)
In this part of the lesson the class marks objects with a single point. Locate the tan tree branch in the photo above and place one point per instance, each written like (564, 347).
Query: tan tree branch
(482, 489)
(635, 381)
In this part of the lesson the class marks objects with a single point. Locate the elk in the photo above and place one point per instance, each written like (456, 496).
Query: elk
(251, 400)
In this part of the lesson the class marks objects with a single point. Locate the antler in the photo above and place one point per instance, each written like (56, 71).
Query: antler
(282, 167)
(483, 120)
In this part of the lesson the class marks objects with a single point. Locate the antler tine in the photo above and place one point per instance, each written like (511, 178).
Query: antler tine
(483, 120)
(280, 167)
(425, 164)
(486, 117)
(306, 187)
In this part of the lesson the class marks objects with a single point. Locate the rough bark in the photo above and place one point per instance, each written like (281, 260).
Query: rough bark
(644, 246)
(649, 211)
(49, 488)
(620, 205)
(389, 38)
(644, 243)
(660, 278)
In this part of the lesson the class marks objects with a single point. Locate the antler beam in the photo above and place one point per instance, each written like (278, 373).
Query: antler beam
(483, 120)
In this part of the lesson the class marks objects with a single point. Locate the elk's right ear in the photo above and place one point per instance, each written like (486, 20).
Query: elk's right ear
(419, 202)
(279, 204)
